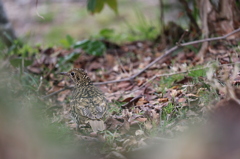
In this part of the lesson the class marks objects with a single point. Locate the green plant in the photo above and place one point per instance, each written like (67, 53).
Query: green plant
(67, 42)
(115, 107)
(65, 63)
(21, 54)
(167, 110)
(106, 34)
(167, 82)
(21, 49)
(92, 47)
(142, 29)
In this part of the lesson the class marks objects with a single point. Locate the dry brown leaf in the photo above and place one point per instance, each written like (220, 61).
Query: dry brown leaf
(54, 89)
(94, 66)
(141, 101)
(181, 100)
(128, 99)
(62, 95)
(141, 119)
(192, 95)
(162, 100)
(123, 85)
(33, 69)
(141, 81)
(174, 93)
(112, 123)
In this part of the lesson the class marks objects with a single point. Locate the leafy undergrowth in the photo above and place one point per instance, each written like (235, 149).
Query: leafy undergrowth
(164, 101)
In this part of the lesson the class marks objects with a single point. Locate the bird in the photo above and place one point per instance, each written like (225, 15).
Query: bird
(88, 104)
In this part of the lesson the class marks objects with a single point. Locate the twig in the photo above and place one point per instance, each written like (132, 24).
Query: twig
(167, 53)
(151, 79)
(181, 72)
(181, 38)
(37, 10)
(51, 94)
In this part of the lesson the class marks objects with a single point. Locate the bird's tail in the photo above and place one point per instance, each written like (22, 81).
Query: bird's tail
(97, 125)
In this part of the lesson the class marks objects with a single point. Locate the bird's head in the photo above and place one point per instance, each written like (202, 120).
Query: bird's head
(78, 75)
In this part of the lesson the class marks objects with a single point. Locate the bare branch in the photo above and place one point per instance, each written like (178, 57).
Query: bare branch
(167, 53)
(161, 58)
(52, 94)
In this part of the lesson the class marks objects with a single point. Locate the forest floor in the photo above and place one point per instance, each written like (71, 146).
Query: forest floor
(164, 101)
(177, 96)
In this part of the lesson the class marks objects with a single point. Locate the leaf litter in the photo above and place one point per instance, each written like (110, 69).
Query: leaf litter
(164, 106)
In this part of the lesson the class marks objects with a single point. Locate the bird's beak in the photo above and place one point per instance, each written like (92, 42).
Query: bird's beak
(64, 73)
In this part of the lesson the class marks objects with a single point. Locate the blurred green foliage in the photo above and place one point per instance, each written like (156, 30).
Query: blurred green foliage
(67, 42)
(22, 49)
(198, 73)
(96, 6)
(142, 29)
(92, 47)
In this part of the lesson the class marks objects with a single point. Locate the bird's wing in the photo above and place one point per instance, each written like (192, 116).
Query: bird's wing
(92, 108)
(89, 102)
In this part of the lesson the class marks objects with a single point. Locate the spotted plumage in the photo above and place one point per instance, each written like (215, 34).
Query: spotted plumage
(88, 103)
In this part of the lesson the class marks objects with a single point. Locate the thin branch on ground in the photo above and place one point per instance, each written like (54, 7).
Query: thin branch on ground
(52, 94)
(161, 58)
(166, 54)
(181, 72)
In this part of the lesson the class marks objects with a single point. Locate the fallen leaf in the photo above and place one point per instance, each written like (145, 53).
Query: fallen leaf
(141, 119)
(162, 100)
(141, 101)
(181, 100)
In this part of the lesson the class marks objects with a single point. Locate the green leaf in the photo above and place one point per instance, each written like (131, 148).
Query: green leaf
(17, 62)
(95, 6)
(106, 33)
(91, 5)
(70, 39)
(113, 5)
(81, 44)
(197, 73)
(99, 6)
(65, 63)
(71, 57)
(92, 47)
(67, 42)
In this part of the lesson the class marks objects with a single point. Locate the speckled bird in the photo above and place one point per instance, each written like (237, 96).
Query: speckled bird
(88, 103)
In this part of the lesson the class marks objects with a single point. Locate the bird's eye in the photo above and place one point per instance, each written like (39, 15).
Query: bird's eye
(72, 73)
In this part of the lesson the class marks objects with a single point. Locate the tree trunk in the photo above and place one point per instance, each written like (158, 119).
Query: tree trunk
(224, 17)
(218, 17)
